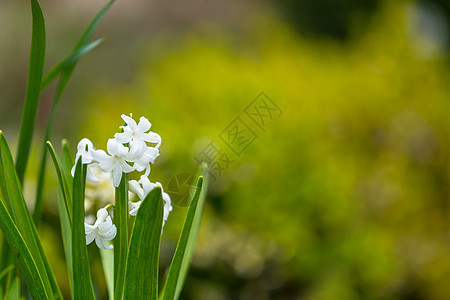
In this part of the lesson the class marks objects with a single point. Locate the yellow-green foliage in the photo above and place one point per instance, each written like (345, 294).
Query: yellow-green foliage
(350, 184)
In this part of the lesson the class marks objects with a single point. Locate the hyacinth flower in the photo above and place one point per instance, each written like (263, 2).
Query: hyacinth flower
(102, 231)
(141, 188)
(129, 272)
(115, 162)
(84, 148)
(127, 147)
(137, 135)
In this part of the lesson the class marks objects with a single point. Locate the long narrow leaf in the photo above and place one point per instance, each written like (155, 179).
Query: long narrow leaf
(121, 239)
(82, 285)
(67, 161)
(68, 61)
(66, 226)
(20, 212)
(26, 261)
(80, 49)
(36, 68)
(66, 233)
(185, 247)
(141, 280)
(13, 291)
(62, 181)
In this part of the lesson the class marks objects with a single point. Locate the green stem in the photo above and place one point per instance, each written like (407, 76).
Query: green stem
(121, 239)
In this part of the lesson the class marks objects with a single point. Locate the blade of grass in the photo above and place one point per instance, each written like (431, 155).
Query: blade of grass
(67, 161)
(13, 291)
(36, 69)
(82, 284)
(6, 255)
(23, 255)
(62, 181)
(66, 226)
(185, 247)
(6, 270)
(80, 48)
(68, 61)
(121, 239)
(66, 233)
(141, 280)
(22, 216)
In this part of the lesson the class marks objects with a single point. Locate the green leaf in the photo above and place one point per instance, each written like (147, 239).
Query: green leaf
(35, 71)
(141, 281)
(185, 247)
(90, 29)
(5, 261)
(13, 291)
(66, 226)
(108, 268)
(82, 285)
(69, 61)
(121, 239)
(28, 266)
(6, 270)
(67, 161)
(66, 233)
(66, 69)
(62, 181)
(22, 216)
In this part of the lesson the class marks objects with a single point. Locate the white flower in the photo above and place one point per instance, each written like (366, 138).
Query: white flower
(86, 158)
(137, 135)
(142, 192)
(143, 163)
(102, 231)
(116, 163)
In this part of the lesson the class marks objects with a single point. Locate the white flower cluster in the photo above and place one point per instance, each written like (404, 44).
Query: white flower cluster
(128, 151)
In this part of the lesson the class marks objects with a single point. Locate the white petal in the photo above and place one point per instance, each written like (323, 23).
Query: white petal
(122, 151)
(151, 154)
(146, 185)
(83, 143)
(117, 175)
(107, 165)
(90, 176)
(90, 237)
(112, 146)
(102, 214)
(126, 168)
(99, 241)
(109, 234)
(137, 149)
(134, 186)
(106, 246)
(123, 137)
(166, 198)
(100, 155)
(144, 124)
(147, 170)
(130, 122)
(153, 137)
(73, 169)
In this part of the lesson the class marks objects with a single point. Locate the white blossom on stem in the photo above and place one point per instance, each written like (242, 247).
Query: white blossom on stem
(84, 148)
(142, 192)
(102, 231)
(137, 135)
(115, 162)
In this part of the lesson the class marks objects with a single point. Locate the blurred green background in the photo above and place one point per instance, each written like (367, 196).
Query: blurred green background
(345, 195)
